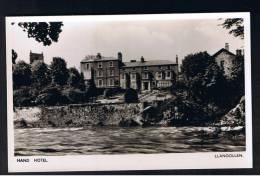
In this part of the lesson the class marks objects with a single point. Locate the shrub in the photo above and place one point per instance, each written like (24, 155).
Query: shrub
(75, 95)
(131, 96)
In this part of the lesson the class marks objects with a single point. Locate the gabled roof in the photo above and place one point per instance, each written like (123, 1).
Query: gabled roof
(223, 50)
(148, 63)
(93, 58)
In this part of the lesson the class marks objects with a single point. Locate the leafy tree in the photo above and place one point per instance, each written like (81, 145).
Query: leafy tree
(59, 71)
(235, 26)
(43, 32)
(194, 64)
(40, 73)
(14, 56)
(21, 74)
(75, 79)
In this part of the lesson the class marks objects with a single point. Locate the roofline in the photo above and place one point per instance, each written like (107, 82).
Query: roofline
(223, 49)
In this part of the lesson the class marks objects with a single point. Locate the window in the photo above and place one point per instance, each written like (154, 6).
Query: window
(159, 75)
(111, 64)
(222, 64)
(145, 68)
(100, 73)
(133, 76)
(133, 68)
(168, 74)
(160, 67)
(168, 67)
(111, 73)
(100, 82)
(87, 66)
(123, 76)
(145, 75)
(111, 82)
(100, 65)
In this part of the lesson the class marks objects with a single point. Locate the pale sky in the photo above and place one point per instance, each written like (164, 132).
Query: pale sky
(150, 39)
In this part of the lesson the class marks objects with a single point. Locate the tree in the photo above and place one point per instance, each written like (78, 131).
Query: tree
(194, 64)
(40, 74)
(43, 32)
(14, 56)
(235, 26)
(59, 71)
(21, 74)
(75, 79)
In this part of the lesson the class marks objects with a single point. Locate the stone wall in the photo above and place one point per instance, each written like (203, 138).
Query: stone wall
(77, 115)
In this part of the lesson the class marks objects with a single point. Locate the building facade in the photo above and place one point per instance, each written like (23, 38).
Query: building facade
(226, 59)
(111, 72)
(147, 75)
(103, 70)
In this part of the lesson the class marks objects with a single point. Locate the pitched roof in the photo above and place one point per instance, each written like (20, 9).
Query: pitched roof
(148, 63)
(93, 58)
(223, 50)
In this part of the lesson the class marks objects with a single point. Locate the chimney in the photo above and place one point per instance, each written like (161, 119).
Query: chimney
(120, 56)
(132, 60)
(98, 56)
(142, 59)
(177, 59)
(227, 46)
(239, 52)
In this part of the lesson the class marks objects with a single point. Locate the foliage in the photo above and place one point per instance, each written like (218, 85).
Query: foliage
(131, 96)
(59, 71)
(40, 74)
(91, 89)
(43, 32)
(75, 95)
(235, 26)
(194, 64)
(14, 56)
(75, 79)
(21, 74)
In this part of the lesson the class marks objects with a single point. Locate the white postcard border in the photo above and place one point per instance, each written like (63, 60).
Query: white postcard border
(206, 160)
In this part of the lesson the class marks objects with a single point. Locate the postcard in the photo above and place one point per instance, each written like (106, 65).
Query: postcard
(129, 92)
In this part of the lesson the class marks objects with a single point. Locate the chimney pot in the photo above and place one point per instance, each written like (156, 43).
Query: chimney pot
(142, 59)
(227, 46)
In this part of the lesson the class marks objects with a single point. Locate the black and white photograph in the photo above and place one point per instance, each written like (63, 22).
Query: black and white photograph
(169, 91)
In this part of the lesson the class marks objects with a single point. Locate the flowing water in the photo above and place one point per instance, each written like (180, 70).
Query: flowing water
(116, 140)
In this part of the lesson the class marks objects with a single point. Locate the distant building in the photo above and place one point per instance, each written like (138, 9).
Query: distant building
(36, 57)
(103, 70)
(226, 59)
(110, 72)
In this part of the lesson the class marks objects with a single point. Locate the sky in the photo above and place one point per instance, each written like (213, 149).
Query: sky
(152, 39)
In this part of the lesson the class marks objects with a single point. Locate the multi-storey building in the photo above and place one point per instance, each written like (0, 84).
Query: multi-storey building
(109, 72)
(146, 75)
(103, 70)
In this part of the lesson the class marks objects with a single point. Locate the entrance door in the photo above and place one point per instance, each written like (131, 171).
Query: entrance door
(146, 86)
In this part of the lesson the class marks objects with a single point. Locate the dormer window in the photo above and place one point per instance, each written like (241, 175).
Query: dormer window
(100, 65)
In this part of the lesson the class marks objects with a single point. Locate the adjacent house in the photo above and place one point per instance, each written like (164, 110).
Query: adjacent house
(226, 59)
(147, 75)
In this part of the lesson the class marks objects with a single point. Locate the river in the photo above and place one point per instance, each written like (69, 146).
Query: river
(116, 140)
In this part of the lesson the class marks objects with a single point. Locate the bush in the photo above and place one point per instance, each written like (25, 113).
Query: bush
(22, 97)
(112, 91)
(51, 96)
(75, 95)
(131, 96)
